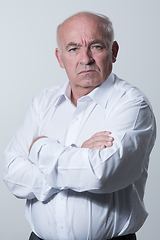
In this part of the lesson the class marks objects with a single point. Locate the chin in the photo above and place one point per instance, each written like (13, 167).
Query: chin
(93, 82)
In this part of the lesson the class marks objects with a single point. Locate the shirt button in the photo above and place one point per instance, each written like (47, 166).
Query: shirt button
(76, 119)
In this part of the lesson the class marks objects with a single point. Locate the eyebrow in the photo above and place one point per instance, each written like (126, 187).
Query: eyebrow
(96, 41)
(73, 44)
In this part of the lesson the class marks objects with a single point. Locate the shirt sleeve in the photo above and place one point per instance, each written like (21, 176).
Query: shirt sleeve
(132, 125)
(22, 177)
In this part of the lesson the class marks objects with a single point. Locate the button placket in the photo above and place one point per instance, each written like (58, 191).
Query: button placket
(74, 126)
(60, 213)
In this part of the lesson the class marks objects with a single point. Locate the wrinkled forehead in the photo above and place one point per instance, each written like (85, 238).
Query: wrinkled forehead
(80, 27)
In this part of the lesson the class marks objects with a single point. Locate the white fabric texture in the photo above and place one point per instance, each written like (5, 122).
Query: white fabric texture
(77, 193)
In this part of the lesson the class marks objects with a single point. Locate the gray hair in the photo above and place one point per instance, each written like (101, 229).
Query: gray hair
(104, 22)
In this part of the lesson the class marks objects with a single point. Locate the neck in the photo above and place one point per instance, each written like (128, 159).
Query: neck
(75, 95)
(73, 100)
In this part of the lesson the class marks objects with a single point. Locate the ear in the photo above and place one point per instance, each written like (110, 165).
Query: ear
(59, 57)
(115, 48)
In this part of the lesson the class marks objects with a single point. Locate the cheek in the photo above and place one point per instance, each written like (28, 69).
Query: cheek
(103, 65)
(106, 63)
(70, 67)
(69, 62)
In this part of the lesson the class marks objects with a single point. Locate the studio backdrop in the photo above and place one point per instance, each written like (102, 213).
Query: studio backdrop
(28, 64)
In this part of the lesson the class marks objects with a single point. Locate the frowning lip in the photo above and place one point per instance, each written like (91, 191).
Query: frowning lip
(87, 71)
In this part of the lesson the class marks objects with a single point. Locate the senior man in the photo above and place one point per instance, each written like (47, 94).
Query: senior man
(80, 155)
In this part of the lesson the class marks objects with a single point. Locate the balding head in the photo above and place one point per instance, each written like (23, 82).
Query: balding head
(86, 51)
(103, 23)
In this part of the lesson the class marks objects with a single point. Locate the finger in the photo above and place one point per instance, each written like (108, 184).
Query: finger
(102, 147)
(35, 140)
(102, 139)
(109, 144)
(102, 133)
(98, 140)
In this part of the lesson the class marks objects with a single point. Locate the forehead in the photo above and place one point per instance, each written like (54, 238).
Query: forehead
(81, 28)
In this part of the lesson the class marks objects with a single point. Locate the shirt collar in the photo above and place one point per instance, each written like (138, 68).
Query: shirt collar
(100, 94)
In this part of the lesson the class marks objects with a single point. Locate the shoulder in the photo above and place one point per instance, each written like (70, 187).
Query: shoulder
(50, 92)
(48, 97)
(126, 92)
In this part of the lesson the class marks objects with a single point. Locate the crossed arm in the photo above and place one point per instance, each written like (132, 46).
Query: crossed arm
(99, 141)
(51, 166)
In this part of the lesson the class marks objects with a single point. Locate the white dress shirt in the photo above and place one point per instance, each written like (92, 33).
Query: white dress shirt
(77, 193)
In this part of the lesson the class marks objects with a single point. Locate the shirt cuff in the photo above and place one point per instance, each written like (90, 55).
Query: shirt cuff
(36, 148)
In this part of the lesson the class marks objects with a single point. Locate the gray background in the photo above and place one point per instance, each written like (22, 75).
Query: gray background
(28, 64)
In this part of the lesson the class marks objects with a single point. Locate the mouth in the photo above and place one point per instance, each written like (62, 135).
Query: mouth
(87, 71)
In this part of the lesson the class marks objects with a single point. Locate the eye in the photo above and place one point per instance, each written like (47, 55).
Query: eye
(73, 50)
(96, 48)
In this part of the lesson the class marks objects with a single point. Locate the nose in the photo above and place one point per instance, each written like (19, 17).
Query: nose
(86, 57)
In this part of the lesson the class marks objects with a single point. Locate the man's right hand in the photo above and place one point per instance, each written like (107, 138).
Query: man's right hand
(35, 140)
(99, 141)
